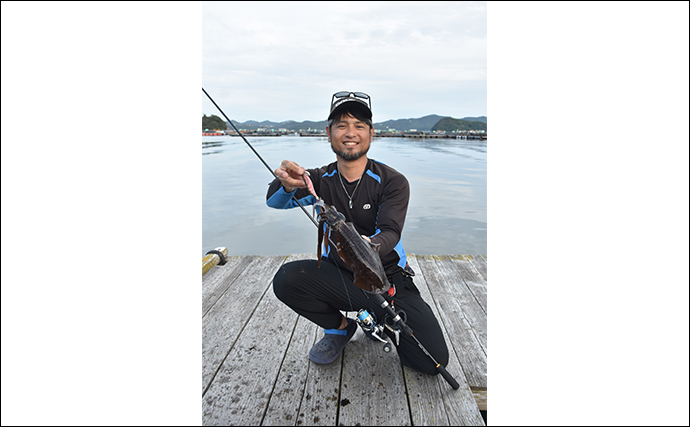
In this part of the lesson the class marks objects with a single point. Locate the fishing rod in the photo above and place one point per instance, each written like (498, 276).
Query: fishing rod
(378, 299)
(260, 158)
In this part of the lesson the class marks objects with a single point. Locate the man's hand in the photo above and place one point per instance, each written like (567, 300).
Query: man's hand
(290, 175)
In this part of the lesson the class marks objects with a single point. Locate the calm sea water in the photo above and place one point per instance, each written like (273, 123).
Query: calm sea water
(446, 215)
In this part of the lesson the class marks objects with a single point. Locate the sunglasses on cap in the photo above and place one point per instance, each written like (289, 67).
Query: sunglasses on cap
(361, 95)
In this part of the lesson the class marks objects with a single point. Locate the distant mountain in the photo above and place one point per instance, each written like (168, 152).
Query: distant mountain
(475, 119)
(450, 124)
(422, 124)
(426, 123)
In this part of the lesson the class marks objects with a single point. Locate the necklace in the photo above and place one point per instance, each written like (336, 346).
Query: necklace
(353, 191)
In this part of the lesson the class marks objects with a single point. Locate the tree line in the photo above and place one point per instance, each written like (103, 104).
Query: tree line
(447, 124)
(450, 124)
(213, 122)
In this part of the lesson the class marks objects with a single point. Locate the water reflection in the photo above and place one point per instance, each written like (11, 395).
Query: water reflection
(471, 150)
(449, 146)
(209, 144)
(429, 235)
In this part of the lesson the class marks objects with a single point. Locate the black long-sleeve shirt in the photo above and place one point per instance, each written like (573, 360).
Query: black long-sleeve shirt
(379, 206)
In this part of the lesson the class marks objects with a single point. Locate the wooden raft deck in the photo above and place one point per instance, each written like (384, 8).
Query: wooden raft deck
(255, 369)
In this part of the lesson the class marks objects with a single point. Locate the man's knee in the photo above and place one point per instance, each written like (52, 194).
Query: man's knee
(421, 362)
(281, 281)
(288, 277)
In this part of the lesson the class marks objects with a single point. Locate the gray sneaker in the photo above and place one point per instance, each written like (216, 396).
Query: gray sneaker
(332, 344)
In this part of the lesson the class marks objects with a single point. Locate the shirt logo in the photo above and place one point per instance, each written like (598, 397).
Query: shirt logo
(367, 206)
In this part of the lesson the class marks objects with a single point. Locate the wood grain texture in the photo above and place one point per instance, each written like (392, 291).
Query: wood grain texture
(480, 264)
(219, 279)
(432, 400)
(227, 318)
(288, 394)
(256, 371)
(461, 316)
(241, 389)
(320, 402)
(469, 274)
(373, 388)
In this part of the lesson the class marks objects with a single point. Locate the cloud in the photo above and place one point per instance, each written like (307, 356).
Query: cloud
(282, 61)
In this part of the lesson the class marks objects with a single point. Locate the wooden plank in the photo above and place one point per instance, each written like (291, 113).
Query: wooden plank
(472, 278)
(425, 393)
(319, 406)
(480, 264)
(455, 283)
(282, 387)
(480, 396)
(432, 400)
(215, 274)
(216, 282)
(373, 388)
(465, 342)
(451, 307)
(241, 389)
(289, 392)
(225, 320)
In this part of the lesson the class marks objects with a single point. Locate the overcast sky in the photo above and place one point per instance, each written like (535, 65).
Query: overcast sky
(282, 61)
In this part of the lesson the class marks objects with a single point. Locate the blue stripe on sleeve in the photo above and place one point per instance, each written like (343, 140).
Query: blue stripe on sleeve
(401, 253)
(282, 200)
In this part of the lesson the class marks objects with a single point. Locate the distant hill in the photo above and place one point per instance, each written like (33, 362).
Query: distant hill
(426, 123)
(422, 124)
(450, 124)
(213, 122)
(475, 119)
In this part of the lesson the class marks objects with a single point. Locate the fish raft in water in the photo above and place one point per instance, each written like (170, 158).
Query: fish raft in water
(357, 253)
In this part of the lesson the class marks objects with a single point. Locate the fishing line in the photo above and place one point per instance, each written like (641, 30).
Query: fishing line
(259, 156)
(276, 176)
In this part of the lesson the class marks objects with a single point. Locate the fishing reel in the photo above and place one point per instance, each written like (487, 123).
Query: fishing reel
(368, 323)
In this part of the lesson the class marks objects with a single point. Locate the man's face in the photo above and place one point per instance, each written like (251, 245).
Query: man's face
(350, 138)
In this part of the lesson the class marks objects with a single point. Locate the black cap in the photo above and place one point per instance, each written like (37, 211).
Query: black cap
(350, 99)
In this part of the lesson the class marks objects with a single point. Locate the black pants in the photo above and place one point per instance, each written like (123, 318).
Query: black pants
(319, 294)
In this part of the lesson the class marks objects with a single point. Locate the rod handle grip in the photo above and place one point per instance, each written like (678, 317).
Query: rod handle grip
(442, 370)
